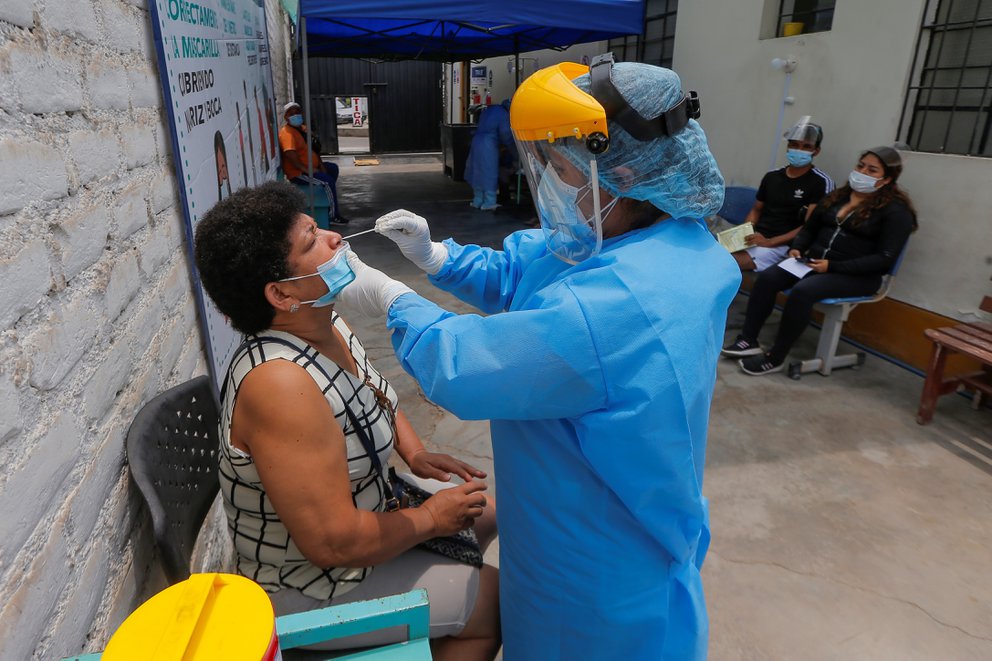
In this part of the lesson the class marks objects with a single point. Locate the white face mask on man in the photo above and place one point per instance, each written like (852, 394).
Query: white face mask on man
(861, 183)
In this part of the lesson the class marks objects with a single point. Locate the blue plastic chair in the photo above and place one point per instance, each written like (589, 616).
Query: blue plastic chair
(737, 202)
(308, 628)
(835, 313)
(323, 206)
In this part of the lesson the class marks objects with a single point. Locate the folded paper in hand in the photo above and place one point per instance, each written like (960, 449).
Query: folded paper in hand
(734, 239)
(797, 269)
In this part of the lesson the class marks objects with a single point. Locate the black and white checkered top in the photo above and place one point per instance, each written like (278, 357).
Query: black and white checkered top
(265, 551)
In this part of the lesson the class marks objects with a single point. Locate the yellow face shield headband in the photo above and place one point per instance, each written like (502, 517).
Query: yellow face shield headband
(548, 106)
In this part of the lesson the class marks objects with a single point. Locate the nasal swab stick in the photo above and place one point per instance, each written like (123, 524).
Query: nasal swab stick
(357, 234)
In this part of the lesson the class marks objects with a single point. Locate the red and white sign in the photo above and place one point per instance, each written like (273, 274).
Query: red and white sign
(357, 114)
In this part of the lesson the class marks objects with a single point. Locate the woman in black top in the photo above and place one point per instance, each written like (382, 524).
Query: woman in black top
(851, 240)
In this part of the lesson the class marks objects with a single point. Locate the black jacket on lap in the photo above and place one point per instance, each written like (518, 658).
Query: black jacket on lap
(868, 246)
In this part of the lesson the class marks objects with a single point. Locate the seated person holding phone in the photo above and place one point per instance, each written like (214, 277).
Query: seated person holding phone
(785, 199)
(850, 241)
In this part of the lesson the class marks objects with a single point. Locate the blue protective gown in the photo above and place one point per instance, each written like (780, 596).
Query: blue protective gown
(482, 166)
(598, 381)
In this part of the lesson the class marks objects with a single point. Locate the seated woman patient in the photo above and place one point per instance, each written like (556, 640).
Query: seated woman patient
(853, 238)
(307, 425)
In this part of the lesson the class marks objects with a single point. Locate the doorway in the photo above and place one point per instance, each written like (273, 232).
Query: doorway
(402, 103)
(353, 124)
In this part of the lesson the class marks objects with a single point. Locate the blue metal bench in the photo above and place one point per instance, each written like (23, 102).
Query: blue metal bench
(308, 628)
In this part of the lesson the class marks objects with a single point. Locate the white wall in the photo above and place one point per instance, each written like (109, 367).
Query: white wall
(280, 48)
(852, 80)
(96, 315)
(504, 81)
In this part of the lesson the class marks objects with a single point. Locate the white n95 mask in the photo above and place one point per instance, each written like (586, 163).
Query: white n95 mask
(569, 234)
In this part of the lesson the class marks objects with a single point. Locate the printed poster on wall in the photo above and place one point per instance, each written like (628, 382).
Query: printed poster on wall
(214, 67)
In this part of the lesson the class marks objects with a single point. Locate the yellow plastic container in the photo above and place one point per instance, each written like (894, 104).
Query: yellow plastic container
(792, 29)
(207, 616)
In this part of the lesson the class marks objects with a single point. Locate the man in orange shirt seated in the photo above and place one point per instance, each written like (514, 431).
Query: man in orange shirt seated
(293, 144)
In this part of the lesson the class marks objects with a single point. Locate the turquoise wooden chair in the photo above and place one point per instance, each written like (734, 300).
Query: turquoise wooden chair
(300, 629)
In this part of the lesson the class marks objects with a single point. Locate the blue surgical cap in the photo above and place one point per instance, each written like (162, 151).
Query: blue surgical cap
(677, 174)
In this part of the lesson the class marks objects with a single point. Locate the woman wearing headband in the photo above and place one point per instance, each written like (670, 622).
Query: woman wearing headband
(853, 238)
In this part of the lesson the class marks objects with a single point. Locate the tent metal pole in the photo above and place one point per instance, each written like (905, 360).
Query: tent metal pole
(306, 109)
(516, 61)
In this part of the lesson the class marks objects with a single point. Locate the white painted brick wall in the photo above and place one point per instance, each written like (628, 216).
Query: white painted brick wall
(124, 26)
(82, 236)
(95, 154)
(145, 87)
(81, 607)
(163, 195)
(139, 145)
(34, 599)
(163, 139)
(58, 343)
(107, 382)
(154, 254)
(73, 18)
(107, 84)
(96, 316)
(31, 171)
(18, 12)
(124, 284)
(25, 277)
(46, 80)
(131, 212)
(10, 407)
(30, 488)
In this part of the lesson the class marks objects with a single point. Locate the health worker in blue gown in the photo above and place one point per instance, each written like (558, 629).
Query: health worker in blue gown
(482, 166)
(596, 362)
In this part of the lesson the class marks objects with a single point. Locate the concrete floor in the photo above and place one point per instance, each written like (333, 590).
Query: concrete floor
(841, 528)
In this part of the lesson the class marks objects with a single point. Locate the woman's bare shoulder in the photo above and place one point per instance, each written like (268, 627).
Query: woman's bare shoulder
(280, 390)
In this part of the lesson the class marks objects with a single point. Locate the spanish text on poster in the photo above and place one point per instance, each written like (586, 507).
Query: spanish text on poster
(217, 83)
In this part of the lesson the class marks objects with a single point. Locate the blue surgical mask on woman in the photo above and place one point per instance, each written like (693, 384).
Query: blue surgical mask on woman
(798, 158)
(336, 274)
(861, 183)
(295, 120)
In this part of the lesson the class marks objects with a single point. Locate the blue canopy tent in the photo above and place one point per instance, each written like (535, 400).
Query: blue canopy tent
(455, 30)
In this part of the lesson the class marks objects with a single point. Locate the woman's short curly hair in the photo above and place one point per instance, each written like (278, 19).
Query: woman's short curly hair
(241, 245)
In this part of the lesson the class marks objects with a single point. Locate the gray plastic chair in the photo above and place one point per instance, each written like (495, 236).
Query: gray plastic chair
(172, 450)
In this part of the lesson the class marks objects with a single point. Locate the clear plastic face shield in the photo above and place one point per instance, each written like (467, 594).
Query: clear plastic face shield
(806, 132)
(559, 130)
(568, 201)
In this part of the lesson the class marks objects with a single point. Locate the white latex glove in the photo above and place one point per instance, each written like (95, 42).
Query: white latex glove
(372, 291)
(411, 233)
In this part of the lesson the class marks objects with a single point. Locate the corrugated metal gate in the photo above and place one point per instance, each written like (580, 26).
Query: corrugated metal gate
(404, 101)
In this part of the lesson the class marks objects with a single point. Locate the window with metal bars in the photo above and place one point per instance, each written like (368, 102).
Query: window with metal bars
(948, 105)
(657, 44)
(813, 15)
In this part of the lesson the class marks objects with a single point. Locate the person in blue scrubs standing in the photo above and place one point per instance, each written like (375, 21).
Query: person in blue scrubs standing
(482, 166)
(596, 362)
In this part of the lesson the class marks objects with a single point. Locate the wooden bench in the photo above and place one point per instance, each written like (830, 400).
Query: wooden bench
(973, 340)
